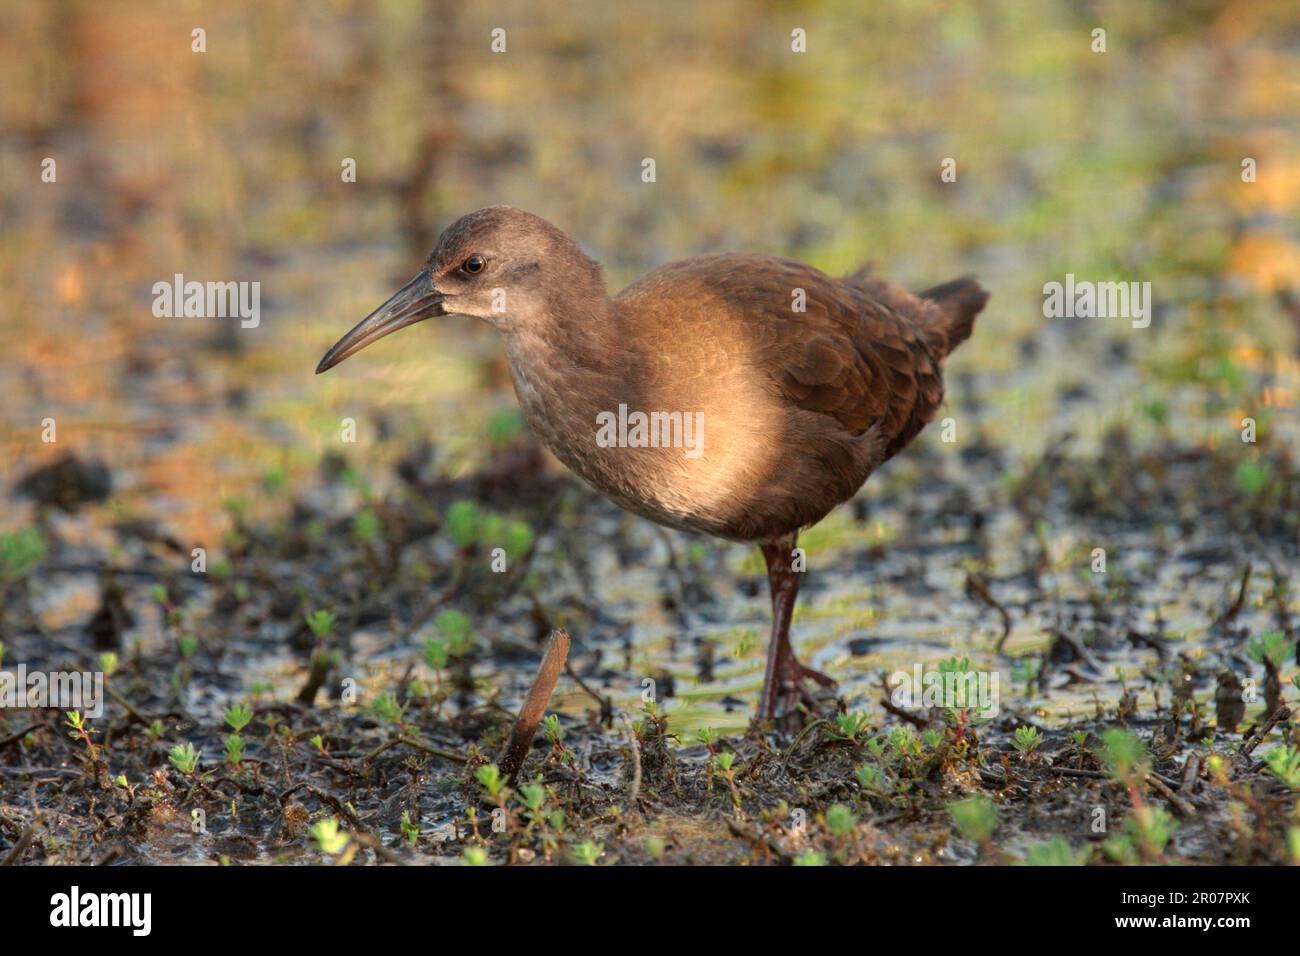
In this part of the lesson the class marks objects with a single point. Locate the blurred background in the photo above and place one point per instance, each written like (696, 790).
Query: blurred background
(226, 165)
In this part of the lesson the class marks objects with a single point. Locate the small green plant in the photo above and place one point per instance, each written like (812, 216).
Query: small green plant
(462, 522)
(410, 830)
(238, 716)
(810, 858)
(1124, 754)
(840, 820)
(490, 779)
(975, 818)
(366, 525)
(723, 763)
(386, 708)
(1147, 830)
(1055, 852)
(552, 729)
(518, 539)
(435, 654)
(587, 852)
(475, 856)
(321, 622)
(655, 847)
(234, 749)
(850, 726)
(81, 731)
(504, 426)
(329, 837)
(108, 662)
(1027, 740)
(874, 780)
(1252, 477)
(20, 553)
(184, 757)
(1284, 762)
(1271, 648)
(456, 629)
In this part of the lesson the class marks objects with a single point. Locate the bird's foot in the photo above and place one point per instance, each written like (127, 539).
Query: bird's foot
(791, 701)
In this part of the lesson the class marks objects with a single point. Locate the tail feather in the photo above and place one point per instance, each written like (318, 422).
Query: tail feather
(950, 324)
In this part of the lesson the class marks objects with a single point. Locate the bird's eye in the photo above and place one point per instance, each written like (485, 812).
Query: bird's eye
(474, 265)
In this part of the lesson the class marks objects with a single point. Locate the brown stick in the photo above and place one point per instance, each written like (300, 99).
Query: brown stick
(1235, 608)
(1279, 715)
(534, 707)
(975, 584)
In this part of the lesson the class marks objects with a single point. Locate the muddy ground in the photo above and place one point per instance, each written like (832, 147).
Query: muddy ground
(377, 739)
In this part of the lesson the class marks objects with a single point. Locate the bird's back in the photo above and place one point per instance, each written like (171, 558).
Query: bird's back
(809, 382)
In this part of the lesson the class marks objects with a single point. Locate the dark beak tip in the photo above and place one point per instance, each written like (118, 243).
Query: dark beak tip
(414, 302)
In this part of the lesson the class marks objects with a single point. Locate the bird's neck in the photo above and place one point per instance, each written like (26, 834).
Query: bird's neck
(569, 368)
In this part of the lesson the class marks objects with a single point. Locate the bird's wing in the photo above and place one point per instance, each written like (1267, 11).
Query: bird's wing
(847, 355)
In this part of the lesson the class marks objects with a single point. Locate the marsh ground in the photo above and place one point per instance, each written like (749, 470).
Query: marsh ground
(1070, 434)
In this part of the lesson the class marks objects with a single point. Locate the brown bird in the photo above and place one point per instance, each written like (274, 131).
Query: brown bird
(741, 396)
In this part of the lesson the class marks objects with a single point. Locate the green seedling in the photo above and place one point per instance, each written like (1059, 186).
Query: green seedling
(975, 818)
(724, 762)
(553, 731)
(1027, 740)
(108, 662)
(1271, 648)
(1147, 831)
(365, 525)
(462, 522)
(849, 726)
(517, 539)
(587, 852)
(490, 779)
(321, 622)
(457, 630)
(840, 821)
(874, 780)
(475, 856)
(1284, 762)
(82, 731)
(411, 831)
(184, 757)
(329, 838)
(1055, 852)
(238, 716)
(387, 709)
(20, 553)
(435, 654)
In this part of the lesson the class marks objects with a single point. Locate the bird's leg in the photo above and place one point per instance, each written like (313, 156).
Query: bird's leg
(784, 678)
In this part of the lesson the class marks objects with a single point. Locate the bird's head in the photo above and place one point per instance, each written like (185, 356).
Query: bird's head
(500, 264)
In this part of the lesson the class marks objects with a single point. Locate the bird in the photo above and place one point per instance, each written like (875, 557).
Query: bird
(736, 395)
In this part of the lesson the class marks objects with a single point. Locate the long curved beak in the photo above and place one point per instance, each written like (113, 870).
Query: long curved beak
(414, 302)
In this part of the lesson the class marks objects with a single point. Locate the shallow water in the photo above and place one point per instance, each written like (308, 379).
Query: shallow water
(190, 166)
